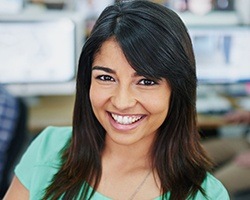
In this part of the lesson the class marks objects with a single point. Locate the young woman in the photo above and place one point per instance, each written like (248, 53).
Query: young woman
(134, 132)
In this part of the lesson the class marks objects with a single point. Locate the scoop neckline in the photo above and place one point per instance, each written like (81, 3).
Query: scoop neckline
(101, 196)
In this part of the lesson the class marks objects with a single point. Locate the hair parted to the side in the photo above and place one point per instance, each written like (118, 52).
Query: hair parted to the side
(156, 44)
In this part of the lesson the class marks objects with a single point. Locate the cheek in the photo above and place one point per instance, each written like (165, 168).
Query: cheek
(159, 106)
(157, 103)
(97, 96)
(93, 95)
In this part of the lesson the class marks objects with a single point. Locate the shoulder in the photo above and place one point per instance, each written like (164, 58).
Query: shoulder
(47, 147)
(49, 143)
(42, 159)
(54, 137)
(214, 188)
(54, 132)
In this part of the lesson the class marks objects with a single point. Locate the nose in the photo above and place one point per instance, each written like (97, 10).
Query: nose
(123, 98)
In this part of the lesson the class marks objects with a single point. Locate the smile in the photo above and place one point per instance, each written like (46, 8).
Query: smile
(126, 119)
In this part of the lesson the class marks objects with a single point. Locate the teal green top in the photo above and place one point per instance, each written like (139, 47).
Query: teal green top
(42, 160)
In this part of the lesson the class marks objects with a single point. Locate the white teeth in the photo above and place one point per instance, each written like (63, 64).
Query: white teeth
(125, 119)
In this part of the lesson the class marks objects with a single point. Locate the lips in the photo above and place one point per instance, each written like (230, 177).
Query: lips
(126, 119)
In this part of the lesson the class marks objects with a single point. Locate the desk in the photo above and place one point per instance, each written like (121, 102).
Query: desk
(58, 111)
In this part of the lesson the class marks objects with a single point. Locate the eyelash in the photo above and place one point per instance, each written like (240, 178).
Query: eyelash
(146, 82)
(105, 78)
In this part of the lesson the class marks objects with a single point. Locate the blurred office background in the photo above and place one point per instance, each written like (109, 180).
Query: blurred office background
(40, 42)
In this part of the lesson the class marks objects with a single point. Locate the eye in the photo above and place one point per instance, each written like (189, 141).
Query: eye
(105, 78)
(147, 82)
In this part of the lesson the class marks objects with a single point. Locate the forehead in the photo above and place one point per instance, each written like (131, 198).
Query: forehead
(109, 48)
(110, 55)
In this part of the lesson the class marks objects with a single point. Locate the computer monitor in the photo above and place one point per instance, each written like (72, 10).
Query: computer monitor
(222, 53)
(39, 54)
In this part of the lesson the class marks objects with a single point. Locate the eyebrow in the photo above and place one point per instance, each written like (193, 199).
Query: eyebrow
(108, 70)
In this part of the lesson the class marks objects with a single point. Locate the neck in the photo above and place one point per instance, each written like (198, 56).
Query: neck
(136, 155)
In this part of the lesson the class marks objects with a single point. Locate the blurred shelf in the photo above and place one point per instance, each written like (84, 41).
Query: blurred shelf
(214, 18)
(50, 111)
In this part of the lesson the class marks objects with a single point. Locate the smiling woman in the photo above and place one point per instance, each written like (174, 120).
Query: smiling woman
(134, 132)
(123, 101)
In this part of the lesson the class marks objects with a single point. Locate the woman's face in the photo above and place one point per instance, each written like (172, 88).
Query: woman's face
(129, 106)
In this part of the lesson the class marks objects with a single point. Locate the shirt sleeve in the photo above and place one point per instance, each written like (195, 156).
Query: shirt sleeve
(24, 169)
(44, 151)
(214, 189)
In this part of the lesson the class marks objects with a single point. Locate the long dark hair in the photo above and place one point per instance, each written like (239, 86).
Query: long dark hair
(156, 44)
